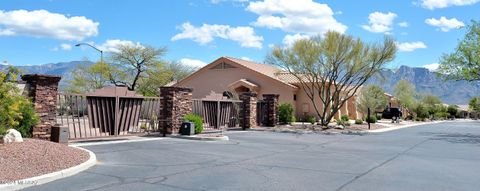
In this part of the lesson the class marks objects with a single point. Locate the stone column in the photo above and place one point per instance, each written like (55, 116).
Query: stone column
(272, 109)
(42, 90)
(248, 112)
(175, 103)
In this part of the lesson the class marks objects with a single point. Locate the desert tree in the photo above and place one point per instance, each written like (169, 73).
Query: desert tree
(87, 78)
(464, 62)
(474, 104)
(373, 97)
(161, 74)
(131, 66)
(433, 104)
(332, 68)
(131, 62)
(405, 92)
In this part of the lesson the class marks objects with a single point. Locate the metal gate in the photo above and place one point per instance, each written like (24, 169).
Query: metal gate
(262, 113)
(218, 114)
(102, 116)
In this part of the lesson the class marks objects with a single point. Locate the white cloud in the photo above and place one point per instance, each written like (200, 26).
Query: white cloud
(434, 4)
(445, 24)
(380, 22)
(288, 40)
(206, 33)
(246, 58)
(296, 16)
(193, 62)
(5, 63)
(432, 67)
(112, 45)
(66, 46)
(41, 23)
(403, 24)
(410, 46)
(63, 46)
(220, 1)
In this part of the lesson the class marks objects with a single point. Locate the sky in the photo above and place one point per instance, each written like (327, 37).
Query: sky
(197, 32)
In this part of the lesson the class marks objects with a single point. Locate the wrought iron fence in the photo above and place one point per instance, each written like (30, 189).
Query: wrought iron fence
(261, 113)
(218, 114)
(102, 116)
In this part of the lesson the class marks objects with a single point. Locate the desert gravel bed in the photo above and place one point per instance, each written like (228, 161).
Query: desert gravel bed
(35, 157)
(308, 128)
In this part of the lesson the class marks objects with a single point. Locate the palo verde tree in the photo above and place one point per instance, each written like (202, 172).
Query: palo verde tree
(373, 97)
(160, 74)
(331, 69)
(474, 104)
(405, 93)
(89, 78)
(130, 64)
(137, 67)
(464, 62)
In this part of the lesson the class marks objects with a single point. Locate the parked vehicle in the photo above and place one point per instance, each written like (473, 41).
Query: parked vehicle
(391, 112)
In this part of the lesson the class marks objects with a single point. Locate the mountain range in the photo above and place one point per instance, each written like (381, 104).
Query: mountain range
(60, 69)
(425, 81)
(428, 82)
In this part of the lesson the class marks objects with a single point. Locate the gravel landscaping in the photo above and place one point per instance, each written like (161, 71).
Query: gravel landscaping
(309, 128)
(36, 157)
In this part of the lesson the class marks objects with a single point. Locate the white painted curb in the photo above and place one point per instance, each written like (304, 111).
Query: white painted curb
(200, 138)
(42, 179)
(401, 127)
(116, 142)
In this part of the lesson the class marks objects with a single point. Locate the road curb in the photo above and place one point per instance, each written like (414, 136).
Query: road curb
(42, 179)
(382, 130)
(200, 138)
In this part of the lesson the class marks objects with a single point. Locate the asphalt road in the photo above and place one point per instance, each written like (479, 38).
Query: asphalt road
(443, 156)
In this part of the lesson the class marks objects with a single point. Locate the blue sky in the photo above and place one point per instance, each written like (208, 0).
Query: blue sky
(199, 31)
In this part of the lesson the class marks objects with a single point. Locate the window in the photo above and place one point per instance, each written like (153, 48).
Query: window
(294, 97)
(228, 94)
(223, 65)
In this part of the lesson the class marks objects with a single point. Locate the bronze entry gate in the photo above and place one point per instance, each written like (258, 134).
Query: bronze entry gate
(218, 114)
(110, 111)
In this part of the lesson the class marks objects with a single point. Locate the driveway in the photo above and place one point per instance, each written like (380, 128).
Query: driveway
(443, 156)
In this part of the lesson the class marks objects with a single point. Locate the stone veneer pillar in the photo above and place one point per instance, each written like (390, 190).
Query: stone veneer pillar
(175, 103)
(248, 113)
(272, 109)
(42, 90)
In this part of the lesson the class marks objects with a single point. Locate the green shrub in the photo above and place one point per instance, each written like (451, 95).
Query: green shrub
(311, 119)
(2, 132)
(422, 111)
(441, 115)
(197, 120)
(285, 113)
(372, 119)
(28, 119)
(344, 123)
(358, 121)
(16, 111)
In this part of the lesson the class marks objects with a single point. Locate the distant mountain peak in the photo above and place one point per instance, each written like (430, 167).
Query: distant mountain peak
(428, 82)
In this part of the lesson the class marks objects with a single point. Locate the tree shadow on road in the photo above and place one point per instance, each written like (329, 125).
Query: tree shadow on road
(464, 138)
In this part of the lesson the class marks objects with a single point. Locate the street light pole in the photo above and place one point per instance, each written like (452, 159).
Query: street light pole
(101, 52)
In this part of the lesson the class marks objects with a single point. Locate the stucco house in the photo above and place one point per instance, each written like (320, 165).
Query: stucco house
(227, 77)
